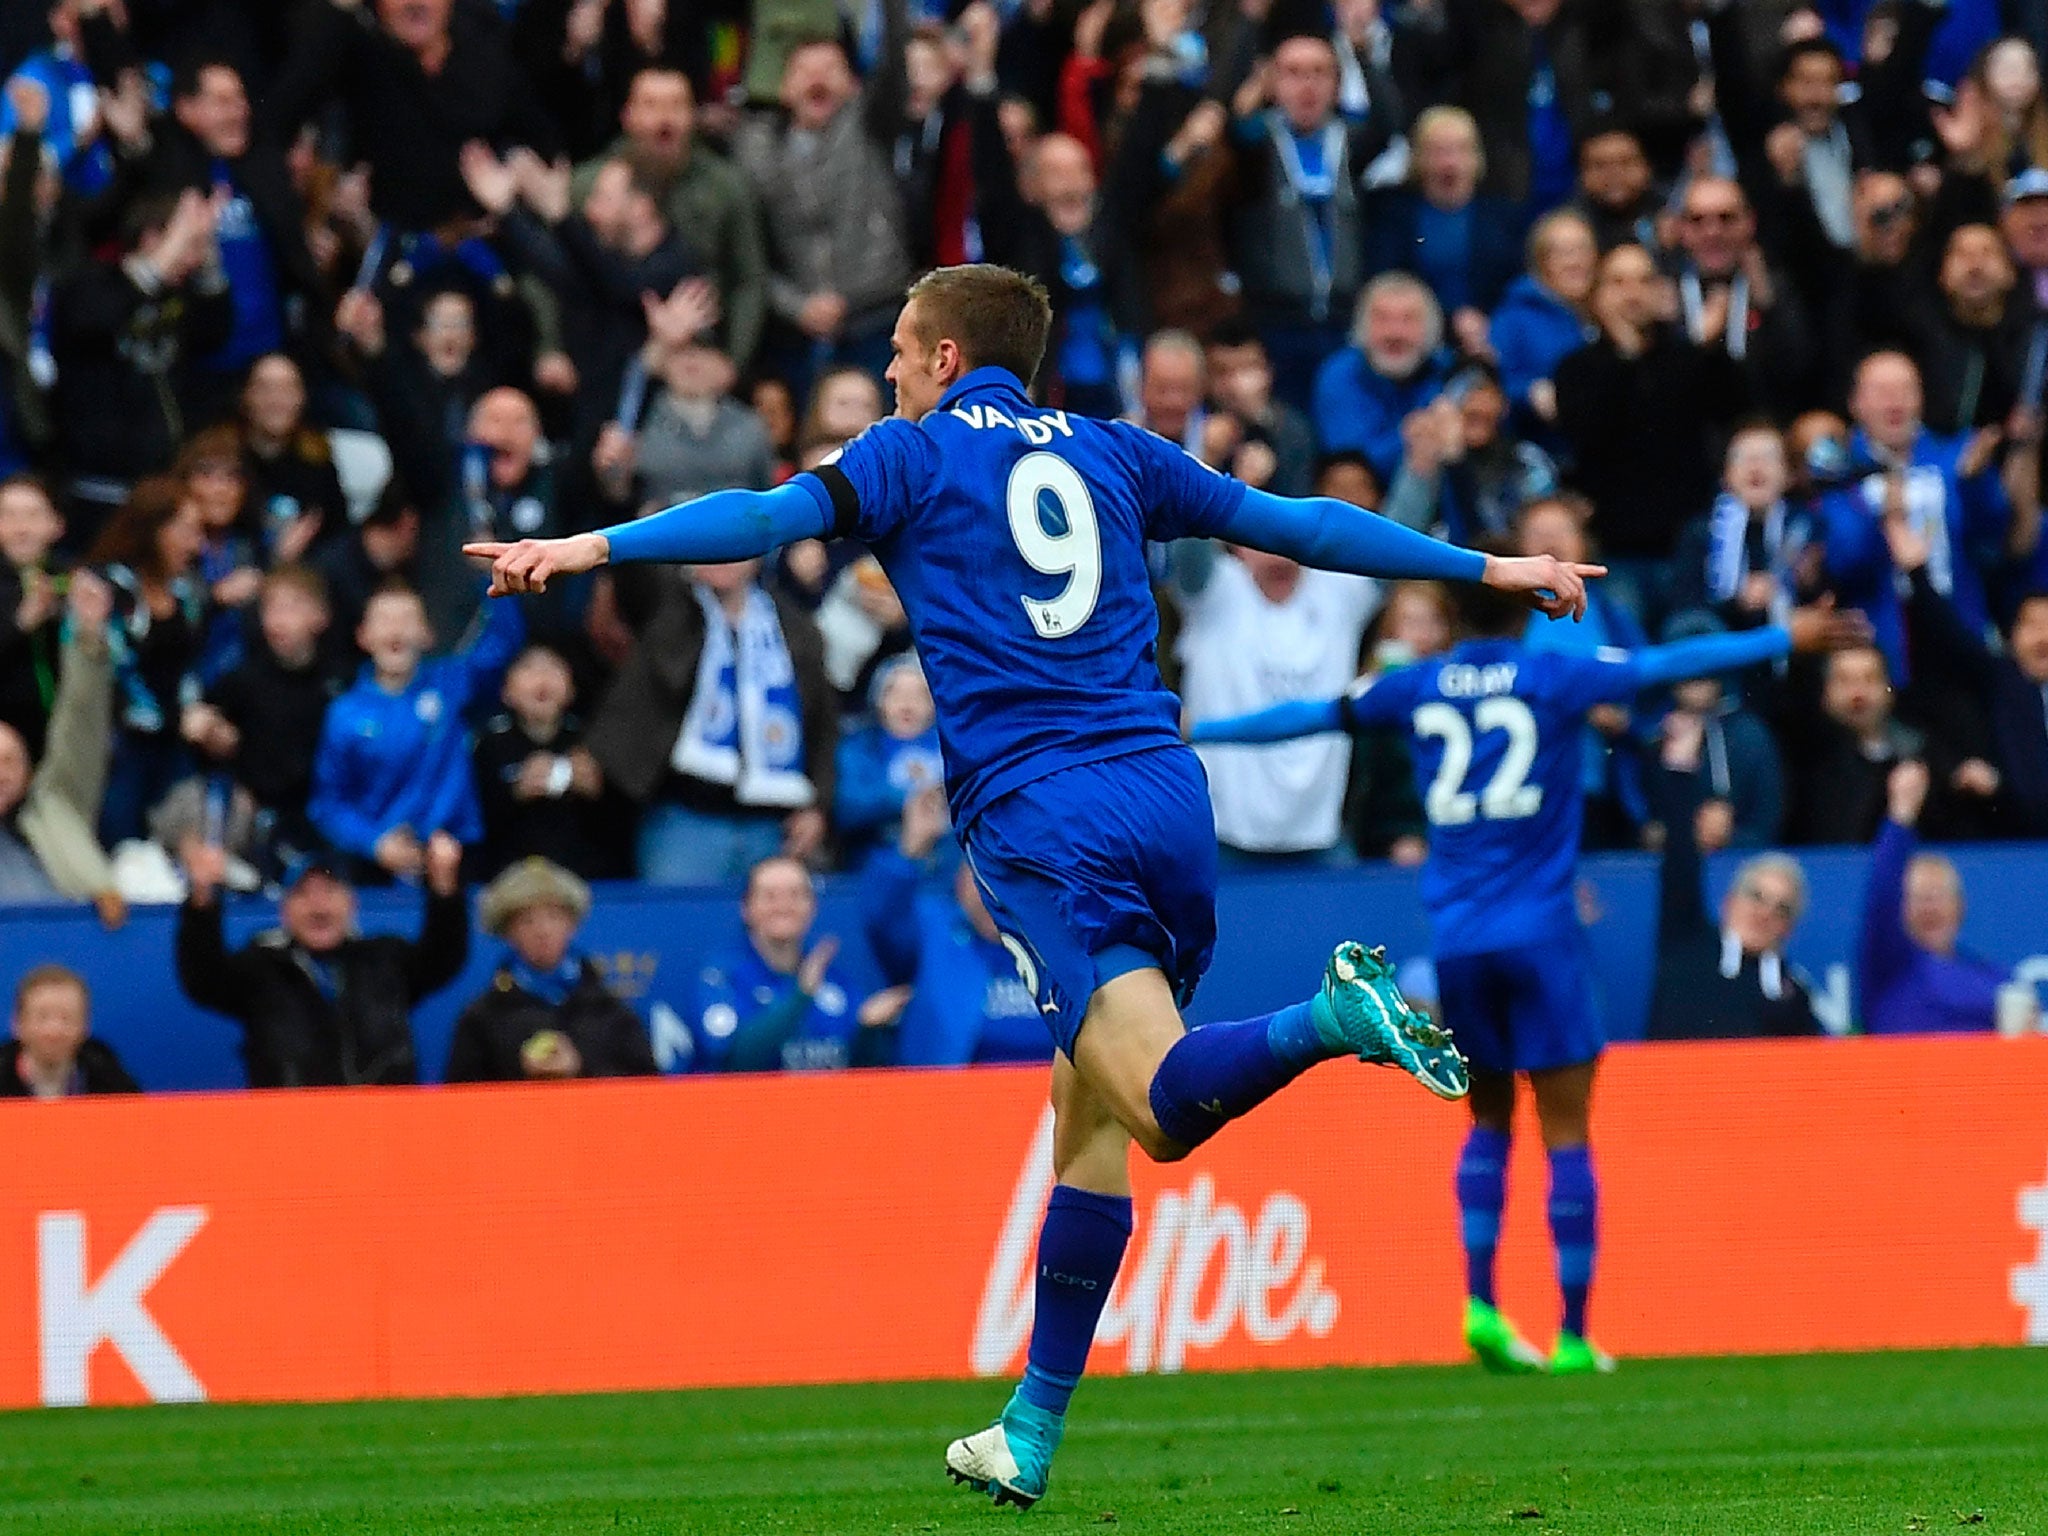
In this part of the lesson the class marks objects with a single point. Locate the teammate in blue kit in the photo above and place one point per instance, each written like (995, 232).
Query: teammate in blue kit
(1495, 728)
(1016, 537)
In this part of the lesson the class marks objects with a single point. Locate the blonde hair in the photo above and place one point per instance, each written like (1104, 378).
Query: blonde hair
(1435, 118)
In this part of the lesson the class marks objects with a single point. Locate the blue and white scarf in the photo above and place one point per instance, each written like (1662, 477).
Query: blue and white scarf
(1312, 186)
(1728, 560)
(745, 725)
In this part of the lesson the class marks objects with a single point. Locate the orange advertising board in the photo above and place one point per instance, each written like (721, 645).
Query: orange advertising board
(558, 1238)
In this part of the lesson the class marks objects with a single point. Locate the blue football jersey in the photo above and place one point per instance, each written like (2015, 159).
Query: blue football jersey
(1015, 537)
(1494, 727)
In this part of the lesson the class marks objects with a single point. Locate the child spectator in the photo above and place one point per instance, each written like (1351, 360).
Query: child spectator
(537, 783)
(262, 721)
(393, 766)
(965, 1001)
(53, 1054)
(31, 608)
(150, 553)
(548, 1013)
(773, 999)
(888, 760)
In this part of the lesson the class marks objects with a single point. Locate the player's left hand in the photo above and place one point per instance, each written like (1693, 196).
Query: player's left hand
(1553, 586)
(530, 564)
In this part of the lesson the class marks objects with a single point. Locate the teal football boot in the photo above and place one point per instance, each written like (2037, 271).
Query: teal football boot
(1361, 1012)
(1011, 1460)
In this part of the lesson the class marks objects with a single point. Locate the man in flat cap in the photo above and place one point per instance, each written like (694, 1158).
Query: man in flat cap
(548, 1013)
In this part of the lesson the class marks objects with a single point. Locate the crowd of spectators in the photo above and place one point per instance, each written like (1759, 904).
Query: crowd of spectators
(1748, 298)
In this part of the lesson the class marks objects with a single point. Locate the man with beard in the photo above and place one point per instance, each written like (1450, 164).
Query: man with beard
(1394, 367)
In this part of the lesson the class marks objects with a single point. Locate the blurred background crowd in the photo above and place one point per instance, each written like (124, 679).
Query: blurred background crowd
(1749, 300)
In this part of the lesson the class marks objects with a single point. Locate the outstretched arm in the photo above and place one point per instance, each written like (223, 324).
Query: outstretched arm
(1283, 722)
(726, 525)
(1333, 535)
(1704, 655)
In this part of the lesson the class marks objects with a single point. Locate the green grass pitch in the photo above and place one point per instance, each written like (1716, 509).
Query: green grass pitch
(1852, 1443)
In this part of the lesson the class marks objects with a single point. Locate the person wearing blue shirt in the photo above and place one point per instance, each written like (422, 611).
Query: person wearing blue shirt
(1543, 317)
(887, 761)
(206, 143)
(71, 132)
(775, 1001)
(393, 766)
(967, 1003)
(1396, 364)
(1465, 244)
(1495, 725)
(1947, 491)
(1911, 975)
(1017, 539)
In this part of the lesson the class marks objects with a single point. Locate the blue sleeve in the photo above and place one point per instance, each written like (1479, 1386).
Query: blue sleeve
(1384, 700)
(1516, 356)
(1985, 508)
(484, 662)
(332, 804)
(1884, 949)
(727, 525)
(1283, 722)
(1705, 655)
(863, 799)
(877, 479)
(1183, 497)
(1333, 535)
(890, 915)
(1856, 552)
(1615, 677)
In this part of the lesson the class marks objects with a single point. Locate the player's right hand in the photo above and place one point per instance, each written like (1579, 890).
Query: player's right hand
(1553, 586)
(528, 565)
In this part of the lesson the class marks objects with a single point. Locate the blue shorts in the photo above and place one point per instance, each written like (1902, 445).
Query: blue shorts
(1101, 869)
(1527, 1009)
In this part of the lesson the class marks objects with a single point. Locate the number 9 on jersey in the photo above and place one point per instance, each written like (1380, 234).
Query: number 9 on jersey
(1075, 554)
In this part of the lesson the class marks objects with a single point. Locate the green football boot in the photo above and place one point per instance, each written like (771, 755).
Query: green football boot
(1575, 1356)
(1499, 1346)
(1362, 1012)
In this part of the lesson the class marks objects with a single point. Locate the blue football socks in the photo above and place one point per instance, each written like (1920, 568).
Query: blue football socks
(1482, 1190)
(1574, 1224)
(1080, 1247)
(1220, 1071)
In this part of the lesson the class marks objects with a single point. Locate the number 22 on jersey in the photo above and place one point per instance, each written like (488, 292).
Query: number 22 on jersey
(1507, 795)
(1075, 554)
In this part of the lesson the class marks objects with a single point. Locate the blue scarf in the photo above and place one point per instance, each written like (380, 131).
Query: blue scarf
(551, 987)
(745, 725)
